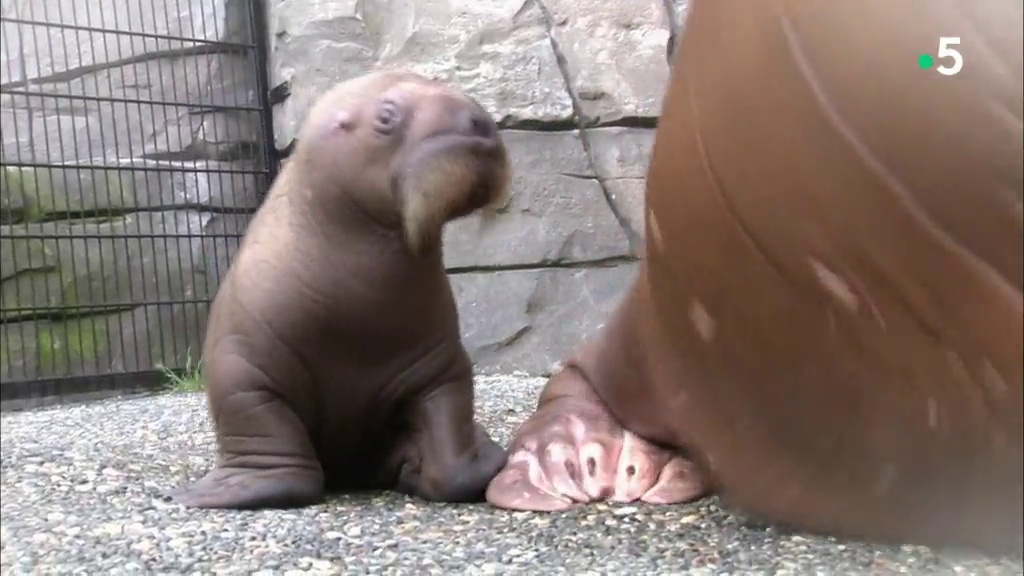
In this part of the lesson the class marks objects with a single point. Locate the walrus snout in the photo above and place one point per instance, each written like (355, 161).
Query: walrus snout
(407, 147)
(475, 121)
(467, 119)
(449, 175)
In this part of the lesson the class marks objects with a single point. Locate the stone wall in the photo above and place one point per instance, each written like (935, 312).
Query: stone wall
(576, 86)
(102, 268)
(104, 255)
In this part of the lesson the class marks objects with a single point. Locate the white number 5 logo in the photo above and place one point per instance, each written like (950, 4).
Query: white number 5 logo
(946, 51)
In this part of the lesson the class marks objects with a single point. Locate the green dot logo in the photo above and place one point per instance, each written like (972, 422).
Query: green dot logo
(925, 61)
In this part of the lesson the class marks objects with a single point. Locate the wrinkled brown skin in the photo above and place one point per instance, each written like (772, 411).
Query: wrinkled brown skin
(332, 357)
(827, 326)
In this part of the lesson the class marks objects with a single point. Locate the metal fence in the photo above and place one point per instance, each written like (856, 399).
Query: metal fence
(136, 143)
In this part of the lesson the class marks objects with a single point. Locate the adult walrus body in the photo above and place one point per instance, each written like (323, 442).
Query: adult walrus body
(332, 357)
(826, 329)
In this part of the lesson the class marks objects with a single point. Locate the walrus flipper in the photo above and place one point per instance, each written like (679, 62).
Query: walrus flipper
(453, 458)
(572, 450)
(276, 469)
(253, 488)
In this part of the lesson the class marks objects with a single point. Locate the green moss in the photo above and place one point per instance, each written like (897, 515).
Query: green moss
(5, 361)
(118, 189)
(87, 339)
(68, 343)
(23, 254)
(45, 347)
(33, 193)
(25, 289)
(68, 291)
(37, 285)
(41, 197)
(26, 183)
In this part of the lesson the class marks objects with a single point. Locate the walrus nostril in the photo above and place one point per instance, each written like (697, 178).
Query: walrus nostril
(478, 123)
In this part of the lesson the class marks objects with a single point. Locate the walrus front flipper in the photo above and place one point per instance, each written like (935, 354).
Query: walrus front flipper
(252, 488)
(573, 450)
(451, 457)
(266, 458)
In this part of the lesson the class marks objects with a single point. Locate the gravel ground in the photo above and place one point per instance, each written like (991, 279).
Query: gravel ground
(83, 491)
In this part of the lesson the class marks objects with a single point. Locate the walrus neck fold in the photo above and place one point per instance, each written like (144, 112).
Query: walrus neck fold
(332, 208)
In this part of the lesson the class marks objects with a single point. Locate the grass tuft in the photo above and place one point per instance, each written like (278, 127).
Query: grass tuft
(186, 379)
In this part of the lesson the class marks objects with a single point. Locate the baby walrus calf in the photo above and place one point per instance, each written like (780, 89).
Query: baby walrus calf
(332, 358)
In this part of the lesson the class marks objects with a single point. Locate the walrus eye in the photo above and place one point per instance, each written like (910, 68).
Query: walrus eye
(388, 117)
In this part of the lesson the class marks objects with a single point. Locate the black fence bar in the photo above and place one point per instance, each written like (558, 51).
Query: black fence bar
(109, 99)
(197, 169)
(259, 29)
(26, 394)
(80, 308)
(128, 173)
(127, 236)
(96, 29)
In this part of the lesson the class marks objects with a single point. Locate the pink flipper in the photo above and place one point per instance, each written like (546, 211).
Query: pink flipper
(679, 482)
(521, 485)
(639, 467)
(559, 477)
(571, 450)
